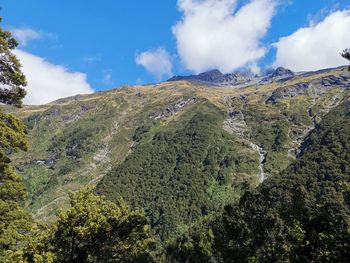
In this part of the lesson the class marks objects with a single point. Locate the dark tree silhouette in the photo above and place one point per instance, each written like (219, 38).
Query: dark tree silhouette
(346, 54)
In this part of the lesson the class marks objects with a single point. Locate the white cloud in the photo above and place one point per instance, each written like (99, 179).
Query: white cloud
(214, 34)
(24, 35)
(107, 78)
(48, 82)
(157, 62)
(316, 46)
(89, 60)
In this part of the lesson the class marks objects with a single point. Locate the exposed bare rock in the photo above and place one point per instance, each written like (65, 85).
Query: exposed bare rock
(173, 109)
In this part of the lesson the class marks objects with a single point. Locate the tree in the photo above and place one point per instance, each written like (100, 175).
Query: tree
(300, 215)
(346, 54)
(15, 222)
(95, 230)
(12, 80)
(195, 245)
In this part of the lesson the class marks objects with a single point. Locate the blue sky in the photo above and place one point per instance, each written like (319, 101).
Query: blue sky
(109, 43)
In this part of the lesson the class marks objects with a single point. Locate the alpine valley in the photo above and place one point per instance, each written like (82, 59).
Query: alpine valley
(184, 149)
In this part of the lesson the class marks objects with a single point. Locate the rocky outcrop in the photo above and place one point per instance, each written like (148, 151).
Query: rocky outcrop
(215, 77)
(317, 87)
(235, 124)
(173, 109)
(343, 80)
(282, 72)
(288, 92)
(209, 76)
(278, 75)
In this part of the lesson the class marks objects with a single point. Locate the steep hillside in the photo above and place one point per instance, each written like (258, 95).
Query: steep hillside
(300, 215)
(305, 210)
(179, 149)
(182, 171)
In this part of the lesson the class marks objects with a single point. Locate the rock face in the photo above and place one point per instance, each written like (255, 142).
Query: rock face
(209, 76)
(278, 75)
(171, 110)
(216, 78)
(282, 72)
(316, 87)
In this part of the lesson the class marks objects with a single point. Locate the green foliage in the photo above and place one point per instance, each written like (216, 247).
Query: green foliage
(301, 215)
(185, 171)
(346, 54)
(11, 77)
(269, 130)
(15, 222)
(70, 152)
(74, 144)
(64, 146)
(94, 230)
(195, 245)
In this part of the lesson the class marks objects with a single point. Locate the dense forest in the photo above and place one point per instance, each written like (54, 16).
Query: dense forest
(183, 194)
(301, 215)
(187, 170)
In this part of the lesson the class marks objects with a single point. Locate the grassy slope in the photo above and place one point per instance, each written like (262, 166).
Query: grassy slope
(77, 141)
(187, 169)
(301, 215)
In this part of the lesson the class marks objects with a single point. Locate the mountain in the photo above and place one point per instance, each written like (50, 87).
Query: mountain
(182, 149)
(237, 79)
(215, 77)
(299, 215)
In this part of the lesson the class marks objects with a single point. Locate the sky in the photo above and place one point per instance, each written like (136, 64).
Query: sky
(84, 46)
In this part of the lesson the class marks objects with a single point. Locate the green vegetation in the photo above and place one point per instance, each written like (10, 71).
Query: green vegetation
(68, 152)
(93, 230)
(15, 222)
(187, 170)
(301, 215)
(12, 79)
(185, 158)
(64, 146)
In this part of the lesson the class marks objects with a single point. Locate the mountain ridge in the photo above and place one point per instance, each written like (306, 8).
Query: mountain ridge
(245, 78)
(80, 140)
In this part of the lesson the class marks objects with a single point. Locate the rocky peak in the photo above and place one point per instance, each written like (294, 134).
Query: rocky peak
(282, 72)
(215, 77)
(238, 78)
(210, 76)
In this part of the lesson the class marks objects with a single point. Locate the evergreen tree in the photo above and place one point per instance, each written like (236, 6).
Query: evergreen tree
(346, 54)
(301, 215)
(94, 230)
(15, 222)
(12, 80)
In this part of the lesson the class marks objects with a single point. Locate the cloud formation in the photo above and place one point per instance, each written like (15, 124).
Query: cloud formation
(157, 62)
(48, 82)
(107, 78)
(25, 35)
(316, 46)
(214, 34)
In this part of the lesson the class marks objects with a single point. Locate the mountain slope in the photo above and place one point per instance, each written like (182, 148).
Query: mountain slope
(182, 172)
(254, 132)
(303, 214)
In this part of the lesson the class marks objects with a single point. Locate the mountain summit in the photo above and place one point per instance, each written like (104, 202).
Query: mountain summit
(216, 78)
